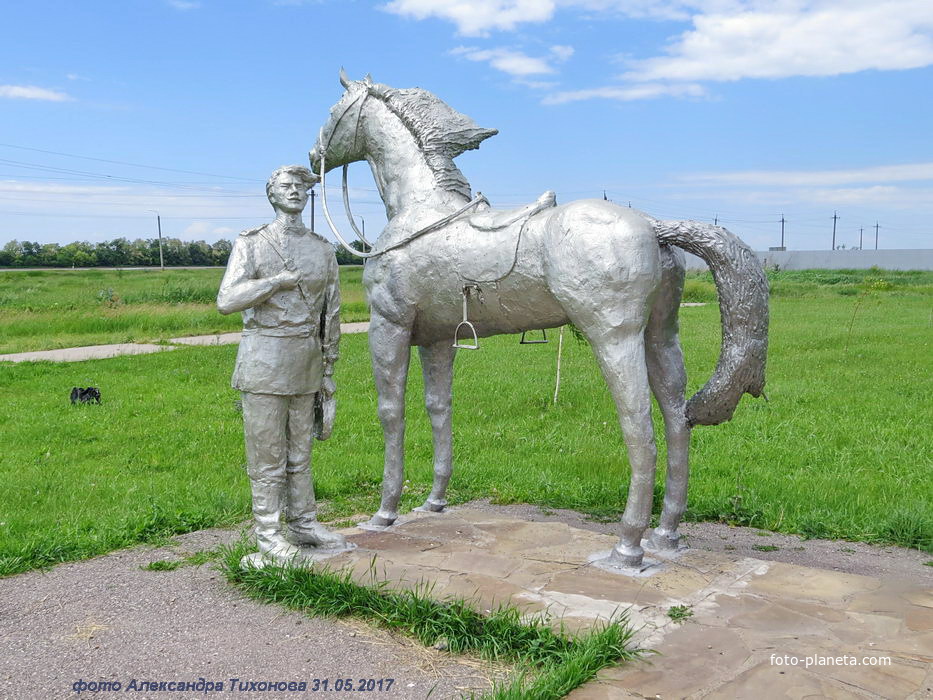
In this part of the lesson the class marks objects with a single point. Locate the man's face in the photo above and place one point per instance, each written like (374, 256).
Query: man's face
(289, 194)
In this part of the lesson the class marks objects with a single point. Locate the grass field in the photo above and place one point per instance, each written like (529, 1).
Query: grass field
(48, 309)
(842, 449)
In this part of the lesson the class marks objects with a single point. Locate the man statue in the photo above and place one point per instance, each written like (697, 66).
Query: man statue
(283, 277)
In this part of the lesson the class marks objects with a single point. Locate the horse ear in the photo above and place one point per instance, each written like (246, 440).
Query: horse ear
(368, 79)
(344, 80)
(468, 139)
(481, 135)
(486, 133)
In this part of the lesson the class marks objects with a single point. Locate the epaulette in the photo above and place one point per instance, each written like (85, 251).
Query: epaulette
(318, 236)
(251, 231)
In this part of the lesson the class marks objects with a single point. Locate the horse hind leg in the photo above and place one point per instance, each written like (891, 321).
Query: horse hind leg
(668, 379)
(391, 352)
(621, 355)
(602, 266)
(437, 364)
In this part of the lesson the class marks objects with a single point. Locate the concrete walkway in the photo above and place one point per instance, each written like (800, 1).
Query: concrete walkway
(97, 352)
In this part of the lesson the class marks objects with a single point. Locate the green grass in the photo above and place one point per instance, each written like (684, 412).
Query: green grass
(48, 309)
(680, 613)
(699, 287)
(193, 559)
(841, 450)
(550, 663)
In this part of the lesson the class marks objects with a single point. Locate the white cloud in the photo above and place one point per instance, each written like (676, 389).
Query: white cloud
(204, 228)
(476, 17)
(128, 200)
(879, 194)
(729, 39)
(31, 92)
(819, 178)
(184, 4)
(537, 84)
(562, 52)
(515, 63)
(43, 188)
(756, 39)
(626, 93)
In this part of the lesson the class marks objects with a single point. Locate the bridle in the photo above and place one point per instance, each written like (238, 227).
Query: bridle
(440, 223)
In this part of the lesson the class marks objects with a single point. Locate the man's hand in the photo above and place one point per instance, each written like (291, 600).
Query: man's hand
(328, 386)
(287, 279)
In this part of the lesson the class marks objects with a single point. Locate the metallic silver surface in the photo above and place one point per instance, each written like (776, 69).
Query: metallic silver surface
(283, 278)
(607, 269)
(346, 207)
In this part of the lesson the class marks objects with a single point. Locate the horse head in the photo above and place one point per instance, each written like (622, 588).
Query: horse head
(338, 139)
(439, 130)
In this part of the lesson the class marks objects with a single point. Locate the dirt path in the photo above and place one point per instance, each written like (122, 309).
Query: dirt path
(97, 352)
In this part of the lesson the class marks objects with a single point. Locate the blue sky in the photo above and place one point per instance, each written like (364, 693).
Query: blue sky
(742, 110)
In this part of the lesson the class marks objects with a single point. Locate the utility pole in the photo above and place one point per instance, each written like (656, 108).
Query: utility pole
(159, 224)
(835, 217)
(860, 229)
(312, 209)
(876, 235)
(782, 231)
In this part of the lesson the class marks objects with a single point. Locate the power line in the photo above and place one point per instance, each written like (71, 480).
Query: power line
(122, 162)
(127, 216)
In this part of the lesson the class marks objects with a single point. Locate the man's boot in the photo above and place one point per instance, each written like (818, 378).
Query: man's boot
(301, 514)
(267, 509)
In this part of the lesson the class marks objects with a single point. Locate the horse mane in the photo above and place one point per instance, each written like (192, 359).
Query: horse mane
(442, 133)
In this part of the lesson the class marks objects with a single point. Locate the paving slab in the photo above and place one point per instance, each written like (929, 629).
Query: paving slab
(754, 629)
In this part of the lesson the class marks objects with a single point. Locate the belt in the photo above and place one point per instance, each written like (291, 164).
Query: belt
(296, 332)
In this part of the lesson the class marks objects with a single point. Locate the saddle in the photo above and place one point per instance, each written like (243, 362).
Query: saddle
(489, 220)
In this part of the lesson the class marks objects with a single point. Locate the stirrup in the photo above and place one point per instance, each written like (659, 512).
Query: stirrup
(465, 322)
(460, 346)
(534, 342)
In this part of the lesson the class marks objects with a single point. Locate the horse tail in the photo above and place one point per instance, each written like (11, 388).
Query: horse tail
(743, 309)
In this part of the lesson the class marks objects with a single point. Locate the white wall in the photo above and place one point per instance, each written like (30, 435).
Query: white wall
(920, 259)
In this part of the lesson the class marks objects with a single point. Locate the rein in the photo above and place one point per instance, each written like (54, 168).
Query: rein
(440, 223)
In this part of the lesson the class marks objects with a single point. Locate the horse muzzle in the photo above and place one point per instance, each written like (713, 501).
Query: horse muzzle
(314, 156)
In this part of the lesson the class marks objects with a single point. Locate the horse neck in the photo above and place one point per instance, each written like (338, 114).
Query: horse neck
(407, 184)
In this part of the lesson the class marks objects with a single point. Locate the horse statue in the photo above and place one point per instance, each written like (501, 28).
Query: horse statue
(445, 261)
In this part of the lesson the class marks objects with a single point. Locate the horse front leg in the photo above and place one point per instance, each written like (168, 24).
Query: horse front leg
(437, 363)
(390, 351)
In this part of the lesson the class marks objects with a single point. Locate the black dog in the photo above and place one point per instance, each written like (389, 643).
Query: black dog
(89, 395)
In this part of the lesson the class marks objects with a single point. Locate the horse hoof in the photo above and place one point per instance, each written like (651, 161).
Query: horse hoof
(431, 506)
(663, 541)
(626, 557)
(381, 519)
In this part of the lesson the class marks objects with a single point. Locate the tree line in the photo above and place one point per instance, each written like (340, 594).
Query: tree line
(121, 252)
